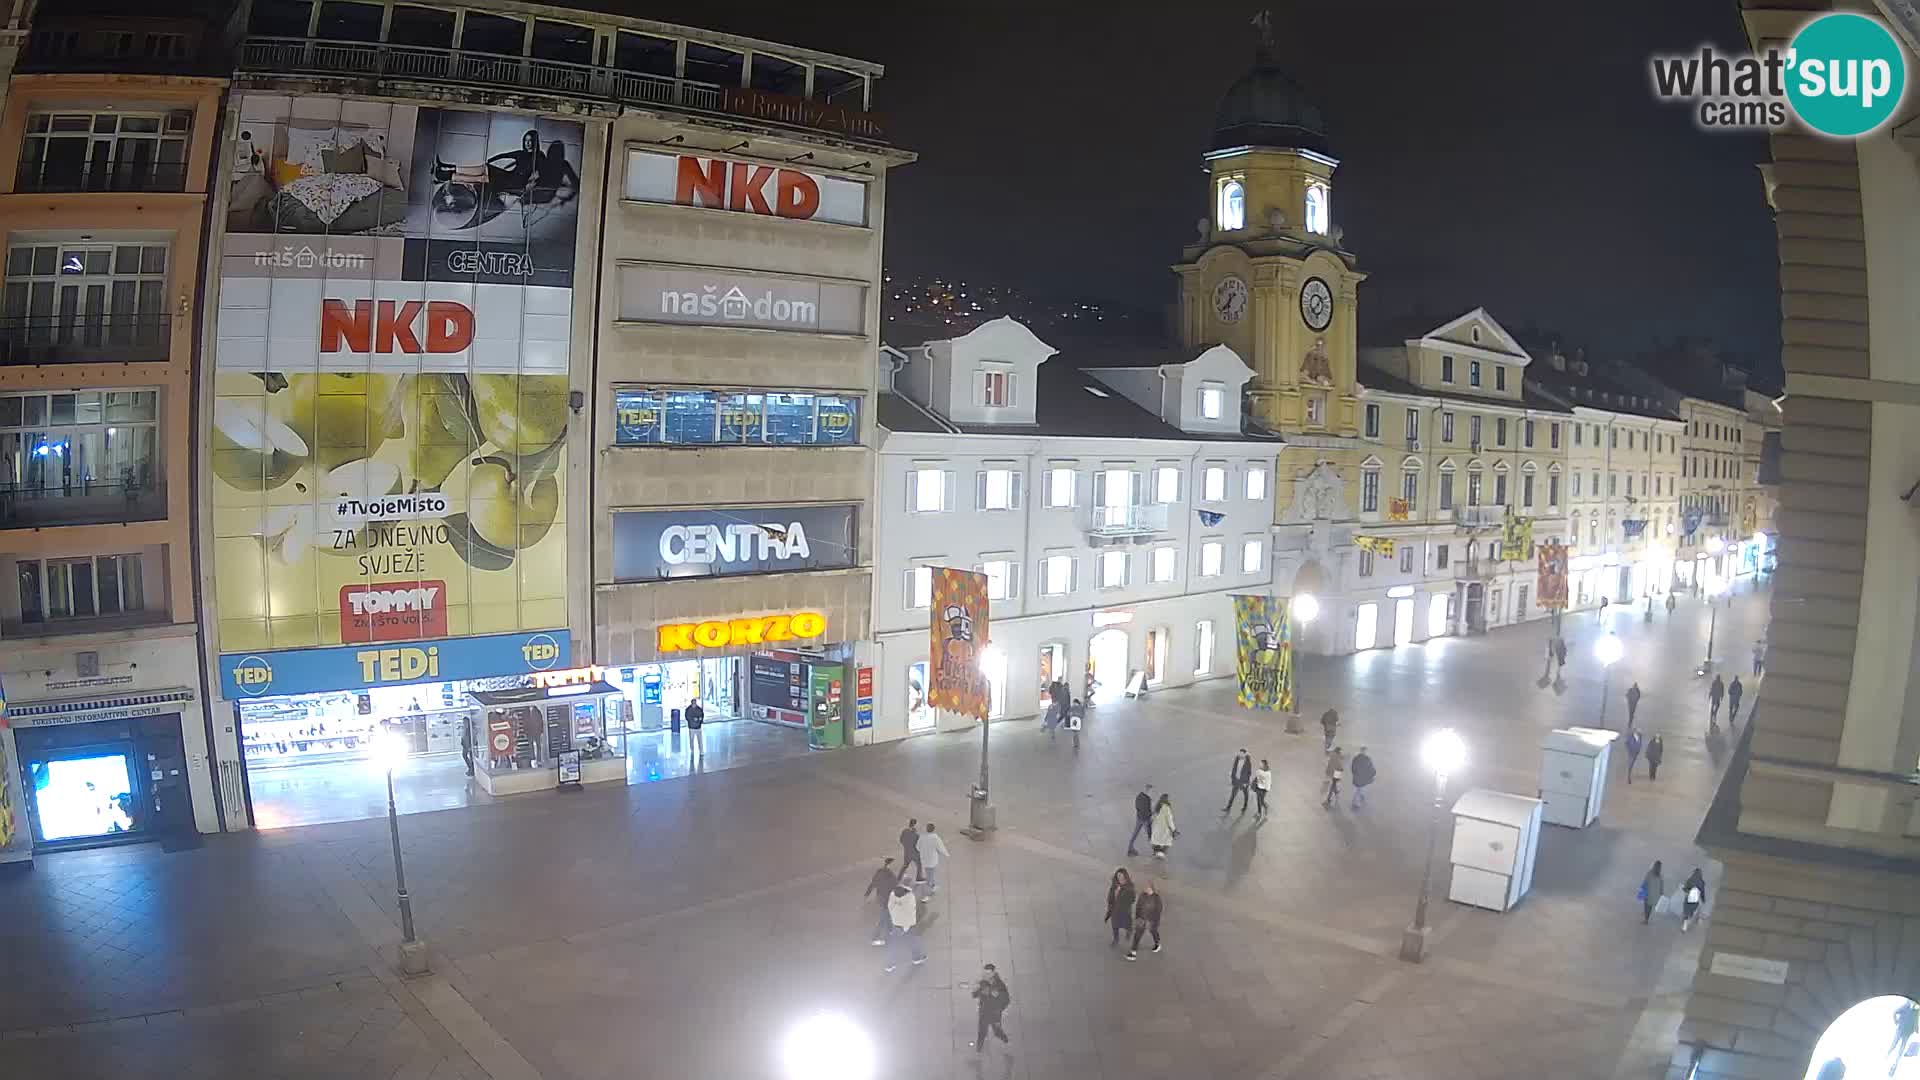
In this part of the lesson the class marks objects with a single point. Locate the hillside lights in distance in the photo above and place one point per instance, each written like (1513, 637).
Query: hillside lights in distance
(827, 1047)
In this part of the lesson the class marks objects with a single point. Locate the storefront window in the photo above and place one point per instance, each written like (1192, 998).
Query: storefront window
(636, 417)
(741, 418)
(919, 714)
(692, 416)
(735, 418)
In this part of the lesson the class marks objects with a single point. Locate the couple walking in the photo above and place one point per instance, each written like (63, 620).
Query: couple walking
(1156, 820)
(1732, 694)
(1241, 776)
(1653, 896)
(1128, 911)
(1336, 770)
(1655, 749)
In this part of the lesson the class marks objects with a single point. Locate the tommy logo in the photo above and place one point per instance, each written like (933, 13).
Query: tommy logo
(398, 611)
(388, 326)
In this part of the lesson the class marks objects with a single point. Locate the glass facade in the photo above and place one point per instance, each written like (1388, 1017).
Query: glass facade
(645, 417)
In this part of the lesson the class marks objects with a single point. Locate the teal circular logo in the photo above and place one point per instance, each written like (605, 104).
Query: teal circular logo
(1845, 74)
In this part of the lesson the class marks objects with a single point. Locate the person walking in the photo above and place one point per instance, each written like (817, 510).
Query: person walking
(1142, 818)
(880, 888)
(1329, 723)
(1692, 894)
(1634, 743)
(1120, 904)
(1656, 750)
(466, 744)
(1146, 917)
(1239, 779)
(696, 716)
(1669, 604)
(1714, 695)
(1336, 768)
(933, 855)
(910, 862)
(992, 994)
(1363, 773)
(1262, 783)
(1560, 652)
(1161, 834)
(903, 912)
(1759, 657)
(1652, 888)
(1076, 719)
(1734, 693)
(1633, 703)
(1057, 711)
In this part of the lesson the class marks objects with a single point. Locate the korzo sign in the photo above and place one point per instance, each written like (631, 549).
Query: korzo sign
(649, 545)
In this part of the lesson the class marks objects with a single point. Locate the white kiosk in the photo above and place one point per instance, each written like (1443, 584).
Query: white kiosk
(1495, 836)
(1573, 774)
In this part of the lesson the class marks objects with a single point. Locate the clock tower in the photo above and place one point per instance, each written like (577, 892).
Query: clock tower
(1268, 275)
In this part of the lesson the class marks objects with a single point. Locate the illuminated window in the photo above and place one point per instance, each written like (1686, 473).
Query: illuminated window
(1214, 484)
(1256, 482)
(1318, 209)
(1210, 556)
(1213, 397)
(1252, 555)
(1056, 574)
(1113, 569)
(1233, 206)
(1059, 486)
(1166, 484)
(1164, 561)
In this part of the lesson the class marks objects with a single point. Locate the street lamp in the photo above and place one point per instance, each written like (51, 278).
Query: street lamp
(1715, 586)
(980, 815)
(1444, 752)
(828, 1047)
(1304, 608)
(1607, 651)
(389, 750)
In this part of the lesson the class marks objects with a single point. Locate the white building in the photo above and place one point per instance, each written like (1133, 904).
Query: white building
(1114, 506)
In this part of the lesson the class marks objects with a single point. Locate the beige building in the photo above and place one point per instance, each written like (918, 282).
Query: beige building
(1713, 478)
(1815, 823)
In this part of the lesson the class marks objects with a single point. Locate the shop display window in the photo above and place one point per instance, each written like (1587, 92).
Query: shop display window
(530, 728)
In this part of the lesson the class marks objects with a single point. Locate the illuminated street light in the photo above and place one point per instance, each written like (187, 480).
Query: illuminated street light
(1304, 607)
(827, 1047)
(1444, 752)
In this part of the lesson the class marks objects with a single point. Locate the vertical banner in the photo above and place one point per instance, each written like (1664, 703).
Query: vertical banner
(1552, 586)
(1264, 652)
(1516, 535)
(957, 636)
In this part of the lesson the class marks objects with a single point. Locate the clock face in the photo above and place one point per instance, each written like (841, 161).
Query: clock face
(1230, 300)
(1316, 304)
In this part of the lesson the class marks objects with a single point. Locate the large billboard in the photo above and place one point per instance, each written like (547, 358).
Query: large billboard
(391, 394)
(653, 545)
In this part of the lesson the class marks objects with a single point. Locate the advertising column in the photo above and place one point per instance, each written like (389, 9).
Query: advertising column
(390, 411)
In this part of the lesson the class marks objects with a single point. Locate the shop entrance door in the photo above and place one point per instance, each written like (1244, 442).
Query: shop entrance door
(1156, 656)
(82, 793)
(1402, 622)
(1107, 656)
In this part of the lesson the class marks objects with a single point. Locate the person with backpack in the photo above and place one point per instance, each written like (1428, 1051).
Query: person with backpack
(992, 994)
(1329, 723)
(1262, 783)
(1715, 693)
(1633, 703)
(1634, 742)
(1336, 768)
(1656, 750)
(1120, 904)
(1142, 818)
(1146, 917)
(1362, 776)
(1692, 894)
(1734, 693)
(1652, 887)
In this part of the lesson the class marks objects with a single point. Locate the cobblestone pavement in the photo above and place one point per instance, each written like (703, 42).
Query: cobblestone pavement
(677, 928)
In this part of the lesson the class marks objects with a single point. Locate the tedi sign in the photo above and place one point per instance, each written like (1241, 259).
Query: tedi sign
(649, 545)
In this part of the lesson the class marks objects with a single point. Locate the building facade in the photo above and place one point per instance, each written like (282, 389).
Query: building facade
(1713, 485)
(106, 142)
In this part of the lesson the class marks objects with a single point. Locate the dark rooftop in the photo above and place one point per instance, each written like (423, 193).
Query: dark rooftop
(1069, 402)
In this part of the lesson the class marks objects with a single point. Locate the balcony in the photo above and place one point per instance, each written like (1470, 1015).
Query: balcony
(1479, 517)
(121, 45)
(1124, 522)
(135, 176)
(1474, 569)
(61, 339)
(382, 61)
(81, 502)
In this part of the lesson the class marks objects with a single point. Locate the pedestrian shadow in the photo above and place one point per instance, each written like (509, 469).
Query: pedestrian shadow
(1246, 843)
(1718, 746)
(1575, 862)
(1002, 1069)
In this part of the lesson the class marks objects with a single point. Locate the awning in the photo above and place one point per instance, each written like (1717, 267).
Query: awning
(87, 710)
(528, 695)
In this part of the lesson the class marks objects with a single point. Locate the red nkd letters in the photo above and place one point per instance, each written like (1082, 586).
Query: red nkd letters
(735, 185)
(388, 326)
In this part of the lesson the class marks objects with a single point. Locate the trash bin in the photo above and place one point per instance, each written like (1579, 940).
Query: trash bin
(676, 721)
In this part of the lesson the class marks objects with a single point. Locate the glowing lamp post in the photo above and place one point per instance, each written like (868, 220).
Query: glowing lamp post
(1304, 608)
(388, 751)
(1444, 752)
(981, 818)
(827, 1047)
(1607, 651)
(1716, 586)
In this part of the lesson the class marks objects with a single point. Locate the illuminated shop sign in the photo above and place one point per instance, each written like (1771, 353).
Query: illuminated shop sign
(725, 633)
(649, 545)
(357, 667)
(744, 187)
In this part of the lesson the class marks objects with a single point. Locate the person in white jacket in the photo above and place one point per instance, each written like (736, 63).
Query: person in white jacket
(933, 855)
(1162, 832)
(903, 910)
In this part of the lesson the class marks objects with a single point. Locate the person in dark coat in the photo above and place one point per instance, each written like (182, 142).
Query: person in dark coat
(1363, 774)
(695, 717)
(991, 993)
(1120, 904)
(1329, 723)
(881, 887)
(1633, 703)
(1142, 817)
(1656, 750)
(910, 852)
(1734, 692)
(1693, 893)
(1634, 744)
(1652, 886)
(1146, 916)
(466, 744)
(1239, 780)
(1714, 693)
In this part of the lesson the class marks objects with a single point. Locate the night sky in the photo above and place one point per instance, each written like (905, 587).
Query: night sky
(1504, 153)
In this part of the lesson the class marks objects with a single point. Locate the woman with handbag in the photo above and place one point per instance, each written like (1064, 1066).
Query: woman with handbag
(1120, 904)
(1652, 887)
(1336, 768)
(1692, 895)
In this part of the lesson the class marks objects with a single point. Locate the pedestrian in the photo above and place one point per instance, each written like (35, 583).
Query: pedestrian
(1692, 895)
(1076, 719)
(1634, 743)
(1362, 776)
(1633, 703)
(1551, 653)
(991, 992)
(933, 855)
(1329, 723)
(1714, 694)
(1336, 768)
(1142, 818)
(1161, 834)
(1262, 783)
(910, 852)
(1656, 749)
(1669, 604)
(1146, 917)
(1734, 692)
(1560, 651)
(1239, 779)
(903, 912)
(1652, 888)
(696, 716)
(1120, 904)
(1759, 657)
(1057, 708)
(880, 888)
(466, 744)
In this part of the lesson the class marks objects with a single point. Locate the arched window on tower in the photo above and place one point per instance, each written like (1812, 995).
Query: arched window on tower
(1317, 208)
(1233, 206)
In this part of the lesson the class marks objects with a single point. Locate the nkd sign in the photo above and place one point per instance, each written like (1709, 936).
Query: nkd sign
(689, 297)
(744, 187)
(649, 545)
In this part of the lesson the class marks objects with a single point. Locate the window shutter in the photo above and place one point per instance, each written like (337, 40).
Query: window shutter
(1073, 573)
(906, 597)
(980, 389)
(1099, 487)
(1013, 580)
(980, 489)
(950, 491)
(1136, 483)
(913, 491)
(1015, 481)
(1013, 389)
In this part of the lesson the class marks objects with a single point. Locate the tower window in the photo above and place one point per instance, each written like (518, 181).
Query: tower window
(1317, 208)
(1233, 206)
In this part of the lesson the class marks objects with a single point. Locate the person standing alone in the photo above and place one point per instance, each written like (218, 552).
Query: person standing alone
(1142, 818)
(1656, 750)
(911, 867)
(933, 855)
(696, 716)
(991, 992)
(1633, 704)
(1146, 917)
(1239, 779)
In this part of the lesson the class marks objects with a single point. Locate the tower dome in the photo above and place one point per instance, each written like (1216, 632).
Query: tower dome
(1267, 108)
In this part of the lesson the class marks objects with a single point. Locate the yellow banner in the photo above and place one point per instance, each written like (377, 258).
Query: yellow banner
(1379, 545)
(1516, 536)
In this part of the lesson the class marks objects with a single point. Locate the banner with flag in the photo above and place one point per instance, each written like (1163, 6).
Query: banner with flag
(1399, 509)
(1379, 545)
(1551, 588)
(957, 635)
(1516, 536)
(1263, 655)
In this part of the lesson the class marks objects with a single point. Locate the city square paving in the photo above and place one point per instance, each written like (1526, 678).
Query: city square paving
(678, 928)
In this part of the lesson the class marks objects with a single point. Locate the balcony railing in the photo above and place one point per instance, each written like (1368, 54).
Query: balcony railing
(79, 339)
(79, 502)
(378, 60)
(1474, 569)
(1125, 521)
(35, 178)
(1479, 517)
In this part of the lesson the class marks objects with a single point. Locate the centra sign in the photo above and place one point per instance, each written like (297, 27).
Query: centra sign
(723, 633)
